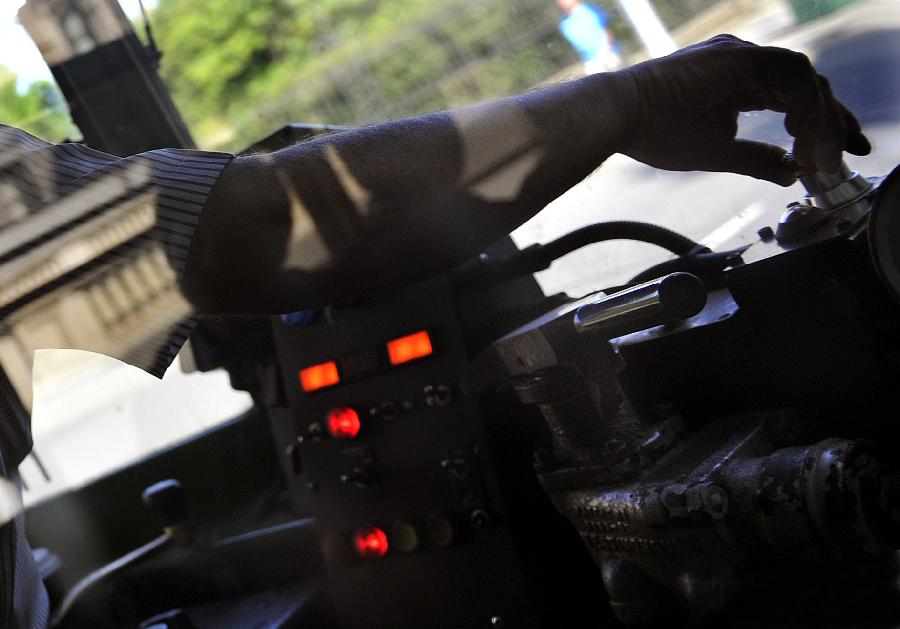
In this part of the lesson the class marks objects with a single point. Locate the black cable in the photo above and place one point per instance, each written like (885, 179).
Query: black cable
(539, 257)
(616, 230)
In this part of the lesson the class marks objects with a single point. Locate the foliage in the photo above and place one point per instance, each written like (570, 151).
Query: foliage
(675, 13)
(39, 109)
(239, 69)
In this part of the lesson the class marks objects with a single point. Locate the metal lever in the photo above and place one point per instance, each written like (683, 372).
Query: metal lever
(166, 499)
(664, 300)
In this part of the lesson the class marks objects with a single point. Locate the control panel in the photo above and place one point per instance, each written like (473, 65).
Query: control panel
(379, 445)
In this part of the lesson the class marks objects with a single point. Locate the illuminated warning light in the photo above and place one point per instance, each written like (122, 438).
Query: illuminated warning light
(370, 543)
(410, 347)
(343, 422)
(319, 376)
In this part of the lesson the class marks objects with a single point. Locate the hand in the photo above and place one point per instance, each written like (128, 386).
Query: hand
(682, 111)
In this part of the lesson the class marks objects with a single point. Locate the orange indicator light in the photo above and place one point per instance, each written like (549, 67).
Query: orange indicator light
(370, 543)
(343, 422)
(319, 376)
(410, 347)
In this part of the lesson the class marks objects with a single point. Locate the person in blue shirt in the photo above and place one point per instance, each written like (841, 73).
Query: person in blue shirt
(585, 27)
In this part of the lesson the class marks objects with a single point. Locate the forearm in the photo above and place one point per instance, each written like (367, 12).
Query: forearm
(382, 206)
(350, 214)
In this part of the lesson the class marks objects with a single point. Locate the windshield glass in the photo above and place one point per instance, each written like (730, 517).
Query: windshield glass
(348, 62)
(239, 70)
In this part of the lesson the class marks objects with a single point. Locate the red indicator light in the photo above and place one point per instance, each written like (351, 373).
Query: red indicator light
(370, 543)
(319, 376)
(343, 422)
(410, 347)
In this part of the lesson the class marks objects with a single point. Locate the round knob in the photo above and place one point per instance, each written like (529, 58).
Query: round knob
(833, 190)
(166, 499)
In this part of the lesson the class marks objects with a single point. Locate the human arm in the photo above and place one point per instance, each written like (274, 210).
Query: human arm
(357, 212)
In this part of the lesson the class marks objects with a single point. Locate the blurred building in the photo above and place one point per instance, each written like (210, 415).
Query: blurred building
(107, 75)
(65, 29)
(74, 274)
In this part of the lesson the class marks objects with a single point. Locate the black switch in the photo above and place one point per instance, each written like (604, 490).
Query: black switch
(293, 453)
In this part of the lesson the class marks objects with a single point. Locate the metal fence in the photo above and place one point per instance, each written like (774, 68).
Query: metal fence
(469, 50)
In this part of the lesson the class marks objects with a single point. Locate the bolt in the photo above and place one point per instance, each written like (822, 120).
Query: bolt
(311, 486)
(388, 410)
(437, 395)
(444, 394)
(674, 497)
(497, 622)
(796, 212)
(716, 500)
(766, 234)
(480, 519)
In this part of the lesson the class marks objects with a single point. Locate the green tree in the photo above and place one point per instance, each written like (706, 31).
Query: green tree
(219, 56)
(39, 109)
(239, 69)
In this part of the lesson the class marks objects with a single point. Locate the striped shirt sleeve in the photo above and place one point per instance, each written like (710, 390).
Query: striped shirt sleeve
(176, 183)
(95, 246)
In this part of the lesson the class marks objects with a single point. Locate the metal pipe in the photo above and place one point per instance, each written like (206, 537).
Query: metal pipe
(664, 300)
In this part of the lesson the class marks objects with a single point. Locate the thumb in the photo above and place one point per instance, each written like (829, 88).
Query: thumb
(759, 160)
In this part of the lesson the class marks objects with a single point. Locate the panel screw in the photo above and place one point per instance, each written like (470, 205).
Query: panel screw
(480, 519)
(766, 234)
(437, 395)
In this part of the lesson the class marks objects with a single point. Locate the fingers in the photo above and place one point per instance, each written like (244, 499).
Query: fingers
(813, 116)
(856, 143)
(821, 147)
(821, 125)
(759, 160)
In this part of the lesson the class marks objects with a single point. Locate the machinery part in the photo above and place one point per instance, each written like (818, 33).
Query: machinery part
(884, 232)
(798, 219)
(837, 493)
(549, 340)
(677, 543)
(831, 191)
(174, 619)
(682, 482)
(665, 300)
